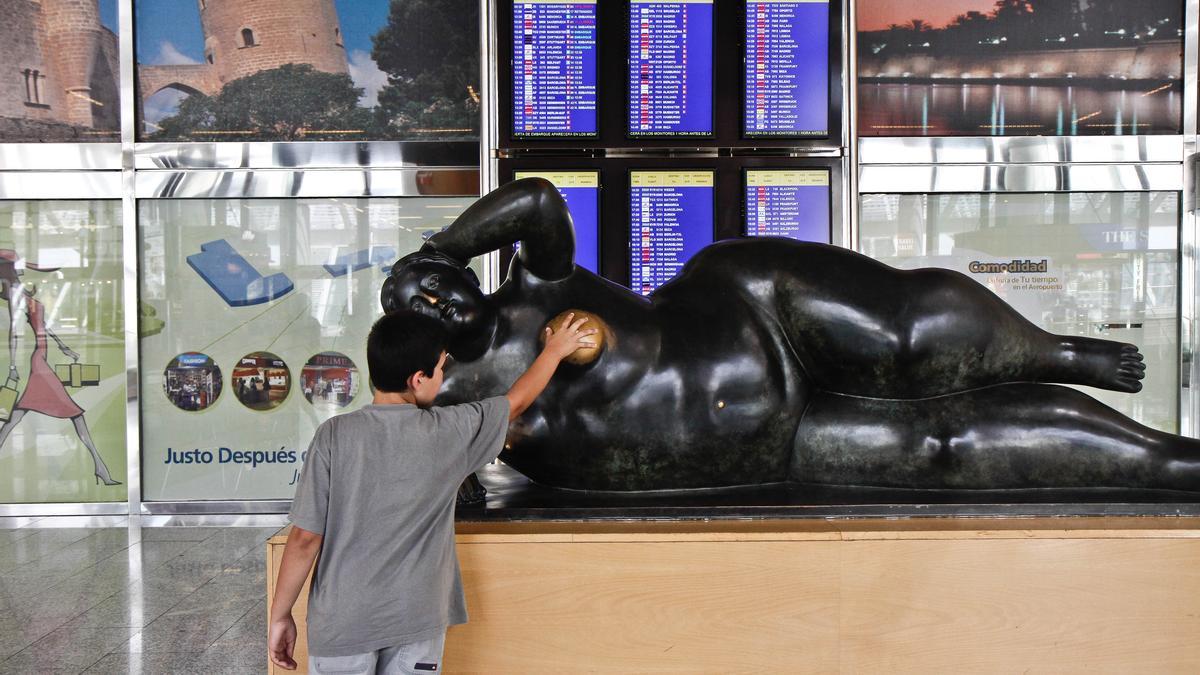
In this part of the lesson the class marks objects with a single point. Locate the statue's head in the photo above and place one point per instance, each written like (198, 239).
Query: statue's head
(437, 285)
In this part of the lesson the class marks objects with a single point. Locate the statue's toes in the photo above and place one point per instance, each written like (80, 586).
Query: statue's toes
(1130, 353)
(1130, 385)
(1131, 369)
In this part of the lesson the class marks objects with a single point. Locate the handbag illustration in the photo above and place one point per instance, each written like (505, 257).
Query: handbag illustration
(78, 374)
(8, 399)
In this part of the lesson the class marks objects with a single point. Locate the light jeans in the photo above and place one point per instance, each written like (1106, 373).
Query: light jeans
(415, 658)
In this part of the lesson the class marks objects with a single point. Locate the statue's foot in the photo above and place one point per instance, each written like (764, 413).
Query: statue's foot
(1117, 366)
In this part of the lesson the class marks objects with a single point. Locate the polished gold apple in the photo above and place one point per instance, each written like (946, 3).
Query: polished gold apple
(602, 336)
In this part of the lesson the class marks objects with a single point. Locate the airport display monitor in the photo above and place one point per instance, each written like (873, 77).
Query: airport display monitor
(791, 203)
(554, 69)
(670, 219)
(670, 79)
(786, 68)
(581, 191)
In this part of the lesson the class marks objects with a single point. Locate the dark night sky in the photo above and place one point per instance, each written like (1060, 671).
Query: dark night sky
(878, 14)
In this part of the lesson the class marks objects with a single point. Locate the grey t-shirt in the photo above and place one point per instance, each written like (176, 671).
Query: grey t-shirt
(380, 484)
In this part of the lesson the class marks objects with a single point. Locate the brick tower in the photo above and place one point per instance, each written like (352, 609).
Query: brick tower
(242, 37)
(73, 32)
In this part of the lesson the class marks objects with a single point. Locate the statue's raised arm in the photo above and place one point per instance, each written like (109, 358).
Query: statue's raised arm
(530, 211)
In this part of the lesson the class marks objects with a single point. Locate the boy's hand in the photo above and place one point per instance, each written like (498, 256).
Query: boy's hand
(281, 642)
(561, 342)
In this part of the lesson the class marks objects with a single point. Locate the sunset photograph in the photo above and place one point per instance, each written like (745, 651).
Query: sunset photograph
(1019, 67)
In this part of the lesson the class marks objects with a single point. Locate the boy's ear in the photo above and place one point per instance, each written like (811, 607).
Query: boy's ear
(415, 379)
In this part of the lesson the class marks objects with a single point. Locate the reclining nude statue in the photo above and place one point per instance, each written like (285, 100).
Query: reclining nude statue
(769, 360)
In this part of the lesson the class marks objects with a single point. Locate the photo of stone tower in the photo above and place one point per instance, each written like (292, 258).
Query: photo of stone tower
(59, 80)
(243, 37)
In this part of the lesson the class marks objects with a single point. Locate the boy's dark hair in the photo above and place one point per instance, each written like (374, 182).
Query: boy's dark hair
(401, 343)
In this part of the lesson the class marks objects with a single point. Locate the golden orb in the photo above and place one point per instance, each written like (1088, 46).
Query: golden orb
(583, 355)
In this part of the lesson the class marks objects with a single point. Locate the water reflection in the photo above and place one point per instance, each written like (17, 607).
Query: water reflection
(897, 109)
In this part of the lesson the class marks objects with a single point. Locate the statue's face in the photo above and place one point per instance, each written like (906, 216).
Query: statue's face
(445, 293)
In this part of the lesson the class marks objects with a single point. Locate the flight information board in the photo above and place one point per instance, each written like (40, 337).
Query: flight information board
(670, 68)
(786, 81)
(670, 219)
(581, 191)
(554, 68)
(788, 203)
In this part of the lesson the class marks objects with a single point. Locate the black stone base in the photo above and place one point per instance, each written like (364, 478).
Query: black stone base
(511, 496)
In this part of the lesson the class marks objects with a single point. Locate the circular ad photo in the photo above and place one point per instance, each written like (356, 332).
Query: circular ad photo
(192, 381)
(330, 379)
(261, 381)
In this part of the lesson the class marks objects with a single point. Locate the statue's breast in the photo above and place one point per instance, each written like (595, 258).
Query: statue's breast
(713, 400)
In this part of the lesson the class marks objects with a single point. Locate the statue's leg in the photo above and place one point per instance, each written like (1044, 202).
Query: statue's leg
(933, 332)
(1017, 351)
(1003, 437)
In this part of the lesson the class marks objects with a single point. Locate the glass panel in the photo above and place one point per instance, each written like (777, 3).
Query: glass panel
(1102, 264)
(1019, 68)
(254, 323)
(63, 402)
(308, 70)
(59, 80)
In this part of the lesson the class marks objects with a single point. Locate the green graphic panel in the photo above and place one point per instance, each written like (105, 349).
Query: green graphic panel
(254, 321)
(62, 404)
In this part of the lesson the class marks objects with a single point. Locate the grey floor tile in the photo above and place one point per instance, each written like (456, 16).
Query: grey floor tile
(224, 662)
(184, 632)
(72, 650)
(249, 634)
(133, 600)
(40, 544)
(74, 557)
(178, 533)
(22, 668)
(12, 641)
(215, 595)
(8, 536)
(199, 620)
(183, 663)
(125, 609)
(136, 663)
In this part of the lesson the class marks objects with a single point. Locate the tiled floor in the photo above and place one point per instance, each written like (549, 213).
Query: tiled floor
(132, 599)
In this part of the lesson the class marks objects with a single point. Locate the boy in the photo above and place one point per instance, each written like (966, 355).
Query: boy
(376, 499)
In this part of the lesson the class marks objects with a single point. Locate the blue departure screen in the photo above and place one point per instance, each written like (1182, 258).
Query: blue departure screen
(554, 68)
(786, 68)
(670, 68)
(788, 203)
(581, 191)
(670, 219)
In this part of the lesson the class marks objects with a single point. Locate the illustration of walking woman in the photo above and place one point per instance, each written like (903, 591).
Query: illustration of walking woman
(44, 393)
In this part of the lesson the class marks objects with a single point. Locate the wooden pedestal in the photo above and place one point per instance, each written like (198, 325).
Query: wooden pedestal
(794, 596)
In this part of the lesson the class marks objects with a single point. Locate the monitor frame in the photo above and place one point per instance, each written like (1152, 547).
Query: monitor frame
(728, 190)
(712, 82)
(684, 166)
(612, 95)
(507, 253)
(833, 76)
(508, 77)
(745, 220)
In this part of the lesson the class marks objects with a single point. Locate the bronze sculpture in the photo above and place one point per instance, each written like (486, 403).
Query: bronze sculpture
(771, 360)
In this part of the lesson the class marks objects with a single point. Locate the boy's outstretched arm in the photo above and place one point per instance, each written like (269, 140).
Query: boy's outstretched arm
(298, 557)
(560, 343)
